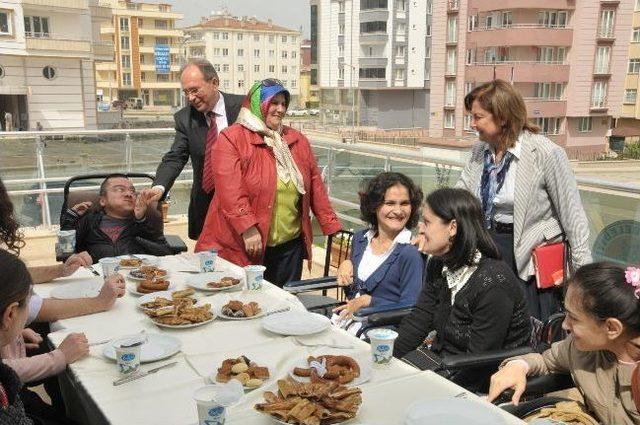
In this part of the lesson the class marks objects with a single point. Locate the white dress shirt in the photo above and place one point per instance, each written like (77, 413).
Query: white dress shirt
(503, 202)
(370, 261)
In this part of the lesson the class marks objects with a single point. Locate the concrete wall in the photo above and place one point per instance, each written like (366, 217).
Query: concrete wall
(395, 108)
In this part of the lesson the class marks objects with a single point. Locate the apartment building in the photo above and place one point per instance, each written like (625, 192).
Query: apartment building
(244, 50)
(46, 64)
(147, 56)
(567, 58)
(628, 125)
(308, 97)
(370, 61)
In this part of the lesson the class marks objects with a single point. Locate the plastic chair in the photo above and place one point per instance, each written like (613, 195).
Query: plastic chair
(80, 193)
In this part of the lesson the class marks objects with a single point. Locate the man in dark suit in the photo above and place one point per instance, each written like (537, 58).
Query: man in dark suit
(197, 126)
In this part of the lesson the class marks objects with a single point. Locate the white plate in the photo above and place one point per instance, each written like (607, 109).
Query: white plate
(278, 421)
(147, 260)
(82, 289)
(157, 347)
(225, 317)
(199, 281)
(452, 411)
(190, 325)
(133, 289)
(365, 371)
(296, 323)
(130, 276)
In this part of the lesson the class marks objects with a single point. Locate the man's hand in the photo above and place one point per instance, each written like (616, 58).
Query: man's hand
(113, 288)
(156, 193)
(420, 240)
(82, 207)
(143, 200)
(32, 339)
(74, 262)
(346, 311)
(252, 243)
(74, 347)
(345, 273)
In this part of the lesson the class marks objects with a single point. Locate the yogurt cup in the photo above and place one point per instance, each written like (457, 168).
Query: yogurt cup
(210, 410)
(382, 340)
(109, 265)
(255, 275)
(208, 260)
(128, 354)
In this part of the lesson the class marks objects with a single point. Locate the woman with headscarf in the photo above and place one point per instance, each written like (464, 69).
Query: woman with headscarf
(266, 183)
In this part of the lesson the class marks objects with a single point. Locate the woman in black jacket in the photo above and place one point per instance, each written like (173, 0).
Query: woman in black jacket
(470, 298)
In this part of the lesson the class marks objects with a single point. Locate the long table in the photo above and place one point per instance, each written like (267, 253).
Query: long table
(165, 398)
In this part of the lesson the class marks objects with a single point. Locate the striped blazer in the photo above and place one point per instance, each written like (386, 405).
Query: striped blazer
(546, 202)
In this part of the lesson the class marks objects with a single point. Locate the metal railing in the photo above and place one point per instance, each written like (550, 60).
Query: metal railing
(35, 165)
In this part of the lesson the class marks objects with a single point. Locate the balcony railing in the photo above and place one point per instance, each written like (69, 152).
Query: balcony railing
(519, 26)
(35, 166)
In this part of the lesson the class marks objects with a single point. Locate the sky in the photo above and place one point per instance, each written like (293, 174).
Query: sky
(291, 14)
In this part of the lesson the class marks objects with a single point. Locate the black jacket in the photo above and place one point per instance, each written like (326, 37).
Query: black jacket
(191, 134)
(489, 313)
(90, 238)
(14, 414)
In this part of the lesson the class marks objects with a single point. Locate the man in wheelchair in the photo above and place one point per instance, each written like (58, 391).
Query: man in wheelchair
(119, 224)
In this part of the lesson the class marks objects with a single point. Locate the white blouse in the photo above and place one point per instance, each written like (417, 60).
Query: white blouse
(370, 262)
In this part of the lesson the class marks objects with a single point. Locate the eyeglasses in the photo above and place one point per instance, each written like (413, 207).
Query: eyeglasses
(193, 91)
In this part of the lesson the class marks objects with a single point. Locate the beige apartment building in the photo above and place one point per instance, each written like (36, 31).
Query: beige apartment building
(147, 54)
(567, 58)
(244, 50)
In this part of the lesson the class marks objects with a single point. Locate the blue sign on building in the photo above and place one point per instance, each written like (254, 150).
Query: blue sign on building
(163, 60)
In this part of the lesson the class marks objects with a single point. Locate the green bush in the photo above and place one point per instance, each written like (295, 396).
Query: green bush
(632, 151)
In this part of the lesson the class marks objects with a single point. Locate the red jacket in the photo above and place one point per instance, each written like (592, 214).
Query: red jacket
(245, 189)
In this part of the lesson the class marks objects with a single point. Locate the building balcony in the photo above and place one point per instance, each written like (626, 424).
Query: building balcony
(160, 84)
(373, 38)
(174, 48)
(606, 35)
(370, 62)
(152, 67)
(491, 5)
(372, 83)
(523, 72)
(521, 35)
(158, 32)
(103, 50)
(100, 12)
(107, 30)
(537, 107)
(61, 45)
(106, 66)
(195, 41)
(66, 4)
(374, 15)
(453, 6)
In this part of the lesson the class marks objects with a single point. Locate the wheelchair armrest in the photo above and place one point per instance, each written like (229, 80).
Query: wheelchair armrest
(176, 243)
(400, 309)
(486, 359)
(386, 318)
(298, 286)
(538, 386)
(154, 248)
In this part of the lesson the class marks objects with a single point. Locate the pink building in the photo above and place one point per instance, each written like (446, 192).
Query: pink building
(568, 58)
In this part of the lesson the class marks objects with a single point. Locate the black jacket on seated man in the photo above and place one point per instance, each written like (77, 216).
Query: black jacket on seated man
(102, 236)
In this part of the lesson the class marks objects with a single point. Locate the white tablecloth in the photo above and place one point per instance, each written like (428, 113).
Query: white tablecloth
(165, 398)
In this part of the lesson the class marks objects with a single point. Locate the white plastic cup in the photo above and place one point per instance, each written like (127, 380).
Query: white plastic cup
(255, 275)
(109, 265)
(208, 260)
(128, 359)
(381, 340)
(210, 411)
(67, 241)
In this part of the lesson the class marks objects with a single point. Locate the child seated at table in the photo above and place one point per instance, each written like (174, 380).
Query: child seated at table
(111, 228)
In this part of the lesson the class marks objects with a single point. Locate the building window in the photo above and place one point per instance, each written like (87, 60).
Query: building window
(605, 28)
(549, 91)
(294, 84)
(548, 125)
(599, 94)
(162, 77)
(256, 37)
(143, 76)
(226, 84)
(284, 69)
(272, 38)
(124, 42)
(48, 72)
(452, 29)
(602, 60)
(553, 18)
(399, 74)
(272, 53)
(507, 19)
(225, 52)
(466, 122)
(161, 24)
(240, 68)
(340, 50)
(36, 26)
(449, 119)
(256, 68)
(240, 52)
(216, 51)
(376, 73)
(401, 5)
(634, 66)
(429, 7)
(428, 30)
(124, 24)
(126, 61)
(217, 67)
(637, 5)
(450, 94)
(472, 23)
(451, 61)
(374, 27)
(294, 54)
(630, 96)
(225, 35)
(427, 52)
(240, 84)
(216, 36)
(635, 36)
(341, 29)
(285, 54)
(401, 51)
(5, 22)
(293, 69)
(284, 38)
(272, 68)
(471, 56)
(585, 124)
(239, 37)
(341, 73)
(225, 67)
(126, 78)
(256, 53)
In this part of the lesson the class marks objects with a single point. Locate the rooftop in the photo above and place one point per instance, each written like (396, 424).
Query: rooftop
(229, 22)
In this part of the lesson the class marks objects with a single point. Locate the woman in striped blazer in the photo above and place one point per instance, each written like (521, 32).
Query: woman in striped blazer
(526, 185)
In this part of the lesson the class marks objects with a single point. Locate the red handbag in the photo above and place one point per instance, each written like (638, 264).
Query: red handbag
(550, 263)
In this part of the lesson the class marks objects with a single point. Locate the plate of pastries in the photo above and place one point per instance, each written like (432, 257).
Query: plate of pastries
(249, 373)
(343, 369)
(182, 314)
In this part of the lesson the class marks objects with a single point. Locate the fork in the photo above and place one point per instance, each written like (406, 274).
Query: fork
(307, 344)
(92, 270)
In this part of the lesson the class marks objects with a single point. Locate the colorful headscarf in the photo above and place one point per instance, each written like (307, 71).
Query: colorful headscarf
(252, 116)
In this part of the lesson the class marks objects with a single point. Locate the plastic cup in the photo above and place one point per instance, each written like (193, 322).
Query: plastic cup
(67, 241)
(382, 340)
(210, 411)
(109, 266)
(255, 275)
(208, 260)
(128, 359)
